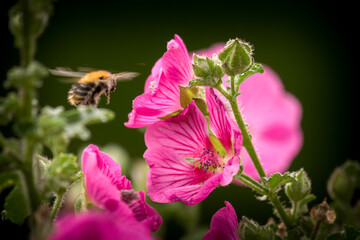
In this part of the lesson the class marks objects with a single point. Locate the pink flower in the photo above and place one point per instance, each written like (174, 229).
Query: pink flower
(161, 95)
(97, 225)
(109, 190)
(187, 161)
(273, 117)
(223, 225)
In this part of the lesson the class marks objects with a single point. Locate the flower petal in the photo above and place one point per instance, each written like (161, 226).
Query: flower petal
(162, 93)
(103, 180)
(155, 73)
(137, 120)
(169, 172)
(273, 116)
(145, 213)
(176, 62)
(98, 226)
(219, 123)
(185, 134)
(163, 100)
(224, 224)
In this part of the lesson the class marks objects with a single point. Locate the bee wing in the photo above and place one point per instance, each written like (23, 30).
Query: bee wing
(124, 76)
(63, 72)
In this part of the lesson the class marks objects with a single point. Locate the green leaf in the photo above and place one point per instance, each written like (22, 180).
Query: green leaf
(277, 180)
(56, 127)
(8, 179)
(250, 230)
(16, 205)
(9, 107)
(255, 68)
(61, 172)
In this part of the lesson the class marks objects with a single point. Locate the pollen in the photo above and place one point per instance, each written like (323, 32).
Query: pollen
(210, 161)
(92, 76)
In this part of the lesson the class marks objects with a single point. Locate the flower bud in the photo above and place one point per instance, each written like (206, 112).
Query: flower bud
(208, 70)
(343, 181)
(236, 57)
(300, 188)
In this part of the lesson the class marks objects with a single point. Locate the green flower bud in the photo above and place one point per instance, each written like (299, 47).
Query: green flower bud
(208, 70)
(236, 57)
(300, 188)
(343, 181)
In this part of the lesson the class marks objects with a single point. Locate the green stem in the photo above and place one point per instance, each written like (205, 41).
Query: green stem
(247, 143)
(252, 183)
(57, 204)
(280, 208)
(232, 78)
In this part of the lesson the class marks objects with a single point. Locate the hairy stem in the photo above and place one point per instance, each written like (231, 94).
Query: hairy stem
(247, 143)
(253, 184)
(57, 204)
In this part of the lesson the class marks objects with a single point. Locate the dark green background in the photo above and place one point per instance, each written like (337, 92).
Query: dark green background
(311, 45)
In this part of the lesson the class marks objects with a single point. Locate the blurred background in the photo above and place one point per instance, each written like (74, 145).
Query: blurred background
(310, 44)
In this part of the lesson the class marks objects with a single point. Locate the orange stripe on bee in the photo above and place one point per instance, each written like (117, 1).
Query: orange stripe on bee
(92, 76)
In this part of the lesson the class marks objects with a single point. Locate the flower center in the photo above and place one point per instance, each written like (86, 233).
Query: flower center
(210, 160)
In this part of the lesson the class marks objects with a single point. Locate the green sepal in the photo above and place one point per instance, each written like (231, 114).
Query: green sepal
(208, 70)
(187, 94)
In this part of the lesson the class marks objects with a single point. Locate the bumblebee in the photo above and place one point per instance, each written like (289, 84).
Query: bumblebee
(88, 89)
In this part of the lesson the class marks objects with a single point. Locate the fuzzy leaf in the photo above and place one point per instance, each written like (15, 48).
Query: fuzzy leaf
(60, 172)
(277, 180)
(15, 206)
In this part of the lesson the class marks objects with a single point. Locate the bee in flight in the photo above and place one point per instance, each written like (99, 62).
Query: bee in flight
(90, 86)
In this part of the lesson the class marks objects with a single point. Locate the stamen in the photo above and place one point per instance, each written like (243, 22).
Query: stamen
(209, 160)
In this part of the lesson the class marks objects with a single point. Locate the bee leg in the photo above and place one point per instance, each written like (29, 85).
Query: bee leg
(108, 96)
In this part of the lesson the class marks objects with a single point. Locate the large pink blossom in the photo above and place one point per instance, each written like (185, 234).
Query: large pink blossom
(223, 224)
(111, 191)
(161, 95)
(187, 160)
(96, 225)
(273, 117)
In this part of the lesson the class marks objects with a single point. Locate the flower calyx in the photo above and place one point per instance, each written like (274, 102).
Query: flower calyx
(236, 57)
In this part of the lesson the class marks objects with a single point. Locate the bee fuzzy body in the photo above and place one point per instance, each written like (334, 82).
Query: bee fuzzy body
(89, 88)
(89, 93)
